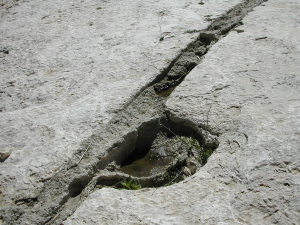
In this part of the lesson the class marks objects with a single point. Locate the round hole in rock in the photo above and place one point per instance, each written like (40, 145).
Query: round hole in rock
(164, 152)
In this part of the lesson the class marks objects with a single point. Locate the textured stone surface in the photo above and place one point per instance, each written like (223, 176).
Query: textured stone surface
(246, 90)
(67, 66)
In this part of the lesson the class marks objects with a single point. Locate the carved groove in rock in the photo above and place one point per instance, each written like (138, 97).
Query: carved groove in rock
(126, 136)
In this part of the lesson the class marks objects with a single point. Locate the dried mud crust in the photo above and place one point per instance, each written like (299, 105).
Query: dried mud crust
(139, 128)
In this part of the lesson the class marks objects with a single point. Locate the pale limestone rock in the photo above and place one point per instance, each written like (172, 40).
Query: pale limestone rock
(71, 65)
(251, 81)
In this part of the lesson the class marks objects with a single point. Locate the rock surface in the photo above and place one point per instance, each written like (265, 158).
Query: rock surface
(67, 67)
(247, 91)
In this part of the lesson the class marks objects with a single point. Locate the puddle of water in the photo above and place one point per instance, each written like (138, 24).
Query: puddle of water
(146, 166)
(163, 151)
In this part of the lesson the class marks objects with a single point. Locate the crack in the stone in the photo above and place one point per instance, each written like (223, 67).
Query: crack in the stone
(65, 191)
(192, 55)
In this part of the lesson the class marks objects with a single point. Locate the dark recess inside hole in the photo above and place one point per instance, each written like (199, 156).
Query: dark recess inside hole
(148, 131)
(207, 38)
(77, 186)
